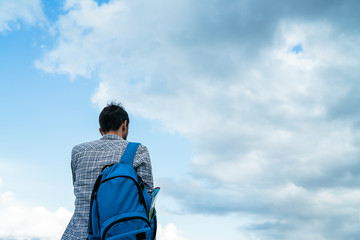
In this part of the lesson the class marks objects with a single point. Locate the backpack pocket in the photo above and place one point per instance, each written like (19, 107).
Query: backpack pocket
(128, 226)
(140, 234)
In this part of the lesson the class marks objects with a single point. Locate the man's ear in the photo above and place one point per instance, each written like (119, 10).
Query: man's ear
(101, 132)
(125, 129)
(125, 125)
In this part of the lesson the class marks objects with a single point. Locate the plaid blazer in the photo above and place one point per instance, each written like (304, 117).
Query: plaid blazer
(87, 161)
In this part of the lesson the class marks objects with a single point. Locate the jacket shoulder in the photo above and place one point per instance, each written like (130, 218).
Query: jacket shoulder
(93, 145)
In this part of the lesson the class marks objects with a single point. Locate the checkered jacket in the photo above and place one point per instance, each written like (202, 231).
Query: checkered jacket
(87, 161)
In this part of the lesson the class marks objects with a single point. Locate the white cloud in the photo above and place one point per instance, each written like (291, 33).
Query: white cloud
(20, 221)
(285, 211)
(77, 37)
(263, 121)
(168, 232)
(13, 13)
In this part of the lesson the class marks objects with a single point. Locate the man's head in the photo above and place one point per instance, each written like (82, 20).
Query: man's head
(114, 119)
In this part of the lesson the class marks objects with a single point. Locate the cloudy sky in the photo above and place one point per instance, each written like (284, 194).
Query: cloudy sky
(249, 110)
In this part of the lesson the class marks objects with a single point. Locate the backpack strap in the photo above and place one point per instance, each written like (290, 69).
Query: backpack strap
(129, 154)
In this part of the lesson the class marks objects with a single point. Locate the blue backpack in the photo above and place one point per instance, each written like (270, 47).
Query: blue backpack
(120, 204)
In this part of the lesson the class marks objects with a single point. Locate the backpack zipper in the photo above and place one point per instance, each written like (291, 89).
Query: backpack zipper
(123, 220)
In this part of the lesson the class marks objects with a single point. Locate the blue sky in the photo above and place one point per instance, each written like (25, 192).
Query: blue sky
(249, 110)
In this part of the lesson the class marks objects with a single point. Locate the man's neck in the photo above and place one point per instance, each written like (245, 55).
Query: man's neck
(116, 132)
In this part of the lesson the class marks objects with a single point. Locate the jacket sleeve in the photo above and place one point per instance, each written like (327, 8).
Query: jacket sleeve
(142, 165)
(74, 162)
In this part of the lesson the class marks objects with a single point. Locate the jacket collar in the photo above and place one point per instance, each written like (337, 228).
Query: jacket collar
(111, 137)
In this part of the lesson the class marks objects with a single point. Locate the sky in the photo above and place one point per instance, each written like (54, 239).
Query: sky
(249, 110)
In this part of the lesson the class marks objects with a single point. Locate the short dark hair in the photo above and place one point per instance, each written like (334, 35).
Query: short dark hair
(112, 116)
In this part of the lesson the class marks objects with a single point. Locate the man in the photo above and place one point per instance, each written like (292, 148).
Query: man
(88, 159)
